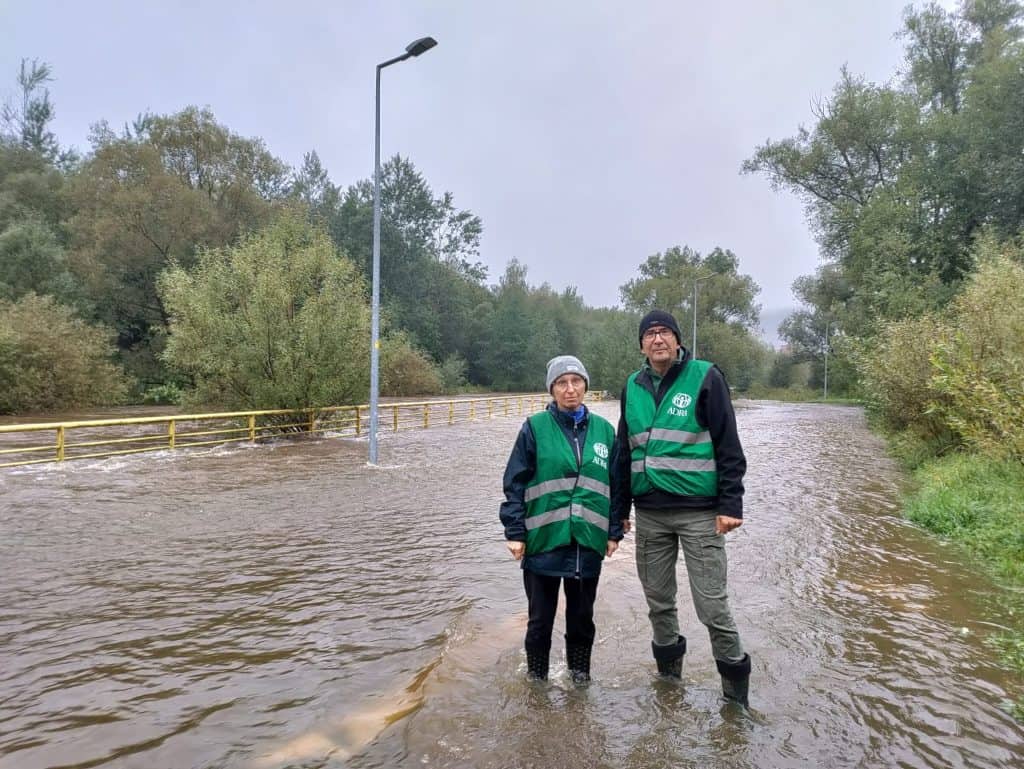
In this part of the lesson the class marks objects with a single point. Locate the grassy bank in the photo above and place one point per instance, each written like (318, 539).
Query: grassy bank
(979, 503)
(793, 395)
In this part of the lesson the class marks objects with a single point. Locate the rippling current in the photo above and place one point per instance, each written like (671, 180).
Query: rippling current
(289, 606)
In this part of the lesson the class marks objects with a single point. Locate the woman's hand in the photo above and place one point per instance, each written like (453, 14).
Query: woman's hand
(516, 548)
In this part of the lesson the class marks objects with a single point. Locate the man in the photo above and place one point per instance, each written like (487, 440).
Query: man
(559, 482)
(683, 469)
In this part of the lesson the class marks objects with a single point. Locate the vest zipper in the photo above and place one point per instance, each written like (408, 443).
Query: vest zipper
(579, 466)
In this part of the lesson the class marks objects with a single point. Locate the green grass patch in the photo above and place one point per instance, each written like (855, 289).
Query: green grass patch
(979, 503)
(760, 392)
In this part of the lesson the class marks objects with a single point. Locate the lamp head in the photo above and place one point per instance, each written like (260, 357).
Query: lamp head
(416, 47)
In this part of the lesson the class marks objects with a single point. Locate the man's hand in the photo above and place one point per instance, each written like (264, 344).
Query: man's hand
(612, 547)
(724, 524)
(516, 548)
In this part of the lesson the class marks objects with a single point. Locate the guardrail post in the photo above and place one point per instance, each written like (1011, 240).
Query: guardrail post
(451, 412)
(252, 428)
(394, 416)
(426, 415)
(472, 409)
(506, 407)
(170, 433)
(357, 420)
(60, 443)
(520, 407)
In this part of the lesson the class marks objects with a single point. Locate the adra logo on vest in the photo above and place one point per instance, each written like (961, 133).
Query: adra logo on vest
(680, 402)
(601, 454)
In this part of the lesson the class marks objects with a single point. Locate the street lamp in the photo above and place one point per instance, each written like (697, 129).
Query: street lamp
(693, 350)
(825, 395)
(415, 48)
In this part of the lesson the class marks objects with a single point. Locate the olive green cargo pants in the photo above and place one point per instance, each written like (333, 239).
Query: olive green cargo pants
(659, 535)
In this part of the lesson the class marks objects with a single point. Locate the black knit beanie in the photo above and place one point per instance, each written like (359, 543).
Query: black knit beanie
(659, 318)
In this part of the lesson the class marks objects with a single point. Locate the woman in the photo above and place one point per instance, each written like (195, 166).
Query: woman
(556, 513)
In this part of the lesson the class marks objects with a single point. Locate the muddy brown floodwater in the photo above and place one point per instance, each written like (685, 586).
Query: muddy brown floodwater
(289, 606)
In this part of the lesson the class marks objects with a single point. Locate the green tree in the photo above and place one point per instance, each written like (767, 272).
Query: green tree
(514, 342)
(50, 359)
(898, 181)
(270, 323)
(611, 350)
(727, 314)
(32, 261)
(31, 188)
(26, 122)
(312, 186)
(431, 281)
(151, 198)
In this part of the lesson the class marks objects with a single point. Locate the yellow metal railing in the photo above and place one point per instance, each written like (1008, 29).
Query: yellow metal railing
(97, 438)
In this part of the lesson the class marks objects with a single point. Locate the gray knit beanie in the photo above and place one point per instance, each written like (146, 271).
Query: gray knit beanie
(566, 364)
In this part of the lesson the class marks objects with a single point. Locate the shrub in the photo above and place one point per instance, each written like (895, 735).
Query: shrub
(162, 395)
(405, 370)
(979, 368)
(50, 359)
(896, 375)
(453, 373)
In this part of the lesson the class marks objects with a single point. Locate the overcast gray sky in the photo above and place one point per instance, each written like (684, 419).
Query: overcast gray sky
(587, 135)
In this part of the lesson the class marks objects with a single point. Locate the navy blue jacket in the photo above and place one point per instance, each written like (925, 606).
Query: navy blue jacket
(571, 560)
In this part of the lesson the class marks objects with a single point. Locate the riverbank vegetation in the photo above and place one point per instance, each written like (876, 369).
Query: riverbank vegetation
(211, 272)
(915, 190)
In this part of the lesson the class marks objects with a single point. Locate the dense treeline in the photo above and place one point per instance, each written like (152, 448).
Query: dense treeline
(916, 193)
(183, 262)
(901, 180)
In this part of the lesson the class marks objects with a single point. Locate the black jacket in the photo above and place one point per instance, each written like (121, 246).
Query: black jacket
(715, 414)
(572, 560)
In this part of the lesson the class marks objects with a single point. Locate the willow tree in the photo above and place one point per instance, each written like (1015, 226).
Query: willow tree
(279, 321)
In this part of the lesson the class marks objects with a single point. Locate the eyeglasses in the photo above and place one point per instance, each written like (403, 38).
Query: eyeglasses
(563, 383)
(664, 333)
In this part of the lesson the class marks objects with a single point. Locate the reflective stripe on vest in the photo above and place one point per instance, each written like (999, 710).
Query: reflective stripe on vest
(567, 484)
(662, 434)
(667, 463)
(564, 514)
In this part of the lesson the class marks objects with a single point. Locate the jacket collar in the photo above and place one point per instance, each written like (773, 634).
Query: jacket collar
(564, 418)
(682, 356)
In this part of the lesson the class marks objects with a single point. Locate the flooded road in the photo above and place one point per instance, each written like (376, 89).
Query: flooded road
(286, 605)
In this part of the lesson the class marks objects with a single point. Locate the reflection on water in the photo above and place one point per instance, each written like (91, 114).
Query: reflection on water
(289, 606)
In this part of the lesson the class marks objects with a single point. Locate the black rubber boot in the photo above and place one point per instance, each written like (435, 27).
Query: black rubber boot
(578, 659)
(670, 658)
(735, 679)
(537, 664)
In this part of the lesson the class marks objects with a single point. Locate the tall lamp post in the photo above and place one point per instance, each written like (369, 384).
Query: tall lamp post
(414, 48)
(825, 395)
(693, 350)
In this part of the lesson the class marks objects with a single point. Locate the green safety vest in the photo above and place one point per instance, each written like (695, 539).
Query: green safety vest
(566, 500)
(669, 450)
